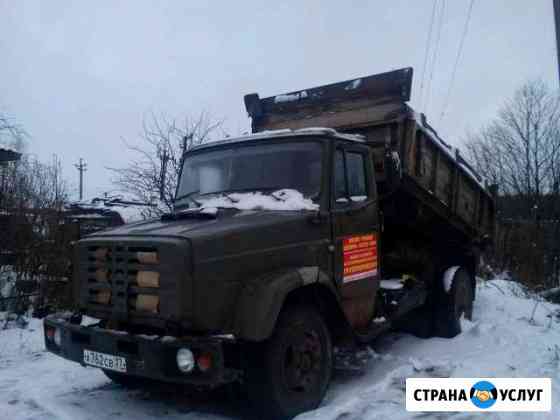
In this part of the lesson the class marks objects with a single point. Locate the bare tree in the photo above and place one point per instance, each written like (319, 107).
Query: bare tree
(33, 239)
(153, 174)
(31, 184)
(32, 199)
(11, 133)
(520, 152)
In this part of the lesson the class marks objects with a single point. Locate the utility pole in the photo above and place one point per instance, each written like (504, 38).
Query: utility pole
(81, 166)
(556, 6)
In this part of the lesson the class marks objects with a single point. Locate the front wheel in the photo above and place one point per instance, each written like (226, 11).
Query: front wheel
(290, 372)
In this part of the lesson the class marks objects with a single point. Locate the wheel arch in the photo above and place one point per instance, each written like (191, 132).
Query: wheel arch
(326, 302)
(466, 259)
(264, 298)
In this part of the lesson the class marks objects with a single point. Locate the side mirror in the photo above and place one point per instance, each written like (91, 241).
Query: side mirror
(485, 243)
(392, 169)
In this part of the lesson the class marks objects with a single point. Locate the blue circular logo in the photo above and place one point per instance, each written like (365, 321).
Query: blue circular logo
(483, 394)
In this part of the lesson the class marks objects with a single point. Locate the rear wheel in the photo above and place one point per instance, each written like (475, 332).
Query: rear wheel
(452, 305)
(290, 372)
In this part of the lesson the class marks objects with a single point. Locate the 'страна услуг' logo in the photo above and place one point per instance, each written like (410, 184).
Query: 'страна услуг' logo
(483, 394)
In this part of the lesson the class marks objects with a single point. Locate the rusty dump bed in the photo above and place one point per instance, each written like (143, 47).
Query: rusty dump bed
(438, 188)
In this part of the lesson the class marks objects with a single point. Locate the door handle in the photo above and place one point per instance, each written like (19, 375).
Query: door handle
(360, 207)
(355, 210)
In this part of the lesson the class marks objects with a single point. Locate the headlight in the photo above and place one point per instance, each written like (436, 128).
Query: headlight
(185, 360)
(58, 337)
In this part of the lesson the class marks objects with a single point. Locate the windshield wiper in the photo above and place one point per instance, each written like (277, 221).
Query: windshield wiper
(188, 214)
(235, 190)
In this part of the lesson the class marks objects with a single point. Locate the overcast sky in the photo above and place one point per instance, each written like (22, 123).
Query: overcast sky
(79, 76)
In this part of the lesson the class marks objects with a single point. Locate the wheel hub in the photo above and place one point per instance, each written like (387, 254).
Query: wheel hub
(302, 361)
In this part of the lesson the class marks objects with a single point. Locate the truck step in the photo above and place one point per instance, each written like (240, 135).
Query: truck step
(398, 303)
(377, 326)
(394, 304)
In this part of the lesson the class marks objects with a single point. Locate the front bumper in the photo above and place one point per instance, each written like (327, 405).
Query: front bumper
(151, 357)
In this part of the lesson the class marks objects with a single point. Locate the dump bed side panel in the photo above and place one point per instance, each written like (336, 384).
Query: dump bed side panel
(444, 175)
(434, 170)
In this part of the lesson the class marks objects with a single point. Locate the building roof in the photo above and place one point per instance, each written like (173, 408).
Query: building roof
(8, 155)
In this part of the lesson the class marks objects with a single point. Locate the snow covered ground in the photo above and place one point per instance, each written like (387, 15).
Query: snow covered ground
(507, 338)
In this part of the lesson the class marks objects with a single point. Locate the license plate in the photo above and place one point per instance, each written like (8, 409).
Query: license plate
(105, 361)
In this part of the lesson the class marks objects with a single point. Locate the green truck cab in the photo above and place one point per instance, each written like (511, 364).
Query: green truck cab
(284, 244)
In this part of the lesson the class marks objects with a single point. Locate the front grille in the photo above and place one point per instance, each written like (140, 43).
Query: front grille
(122, 279)
(135, 281)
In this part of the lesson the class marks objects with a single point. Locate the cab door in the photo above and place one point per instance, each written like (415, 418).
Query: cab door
(355, 230)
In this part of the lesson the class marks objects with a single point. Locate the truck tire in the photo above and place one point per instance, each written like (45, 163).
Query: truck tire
(451, 306)
(290, 372)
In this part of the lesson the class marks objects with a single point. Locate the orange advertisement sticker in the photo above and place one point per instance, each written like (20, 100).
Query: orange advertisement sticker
(359, 254)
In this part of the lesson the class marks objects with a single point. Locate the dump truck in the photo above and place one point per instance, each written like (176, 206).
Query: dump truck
(342, 216)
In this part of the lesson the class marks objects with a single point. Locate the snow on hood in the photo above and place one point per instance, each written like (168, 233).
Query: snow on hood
(285, 199)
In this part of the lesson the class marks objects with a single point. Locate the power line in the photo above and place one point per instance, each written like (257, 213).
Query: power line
(426, 53)
(556, 8)
(436, 49)
(457, 58)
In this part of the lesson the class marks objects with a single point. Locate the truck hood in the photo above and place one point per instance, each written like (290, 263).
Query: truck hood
(227, 220)
(205, 260)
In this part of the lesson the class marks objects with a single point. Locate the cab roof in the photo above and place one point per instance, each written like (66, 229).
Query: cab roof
(285, 133)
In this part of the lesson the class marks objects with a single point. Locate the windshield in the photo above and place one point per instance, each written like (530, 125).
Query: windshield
(263, 167)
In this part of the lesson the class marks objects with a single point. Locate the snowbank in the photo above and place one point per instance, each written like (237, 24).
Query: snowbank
(511, 335)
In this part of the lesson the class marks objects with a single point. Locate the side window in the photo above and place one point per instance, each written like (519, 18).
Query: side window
(356, 172)
(339, 176)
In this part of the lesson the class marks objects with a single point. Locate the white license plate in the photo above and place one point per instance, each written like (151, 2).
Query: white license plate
(105, 361)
